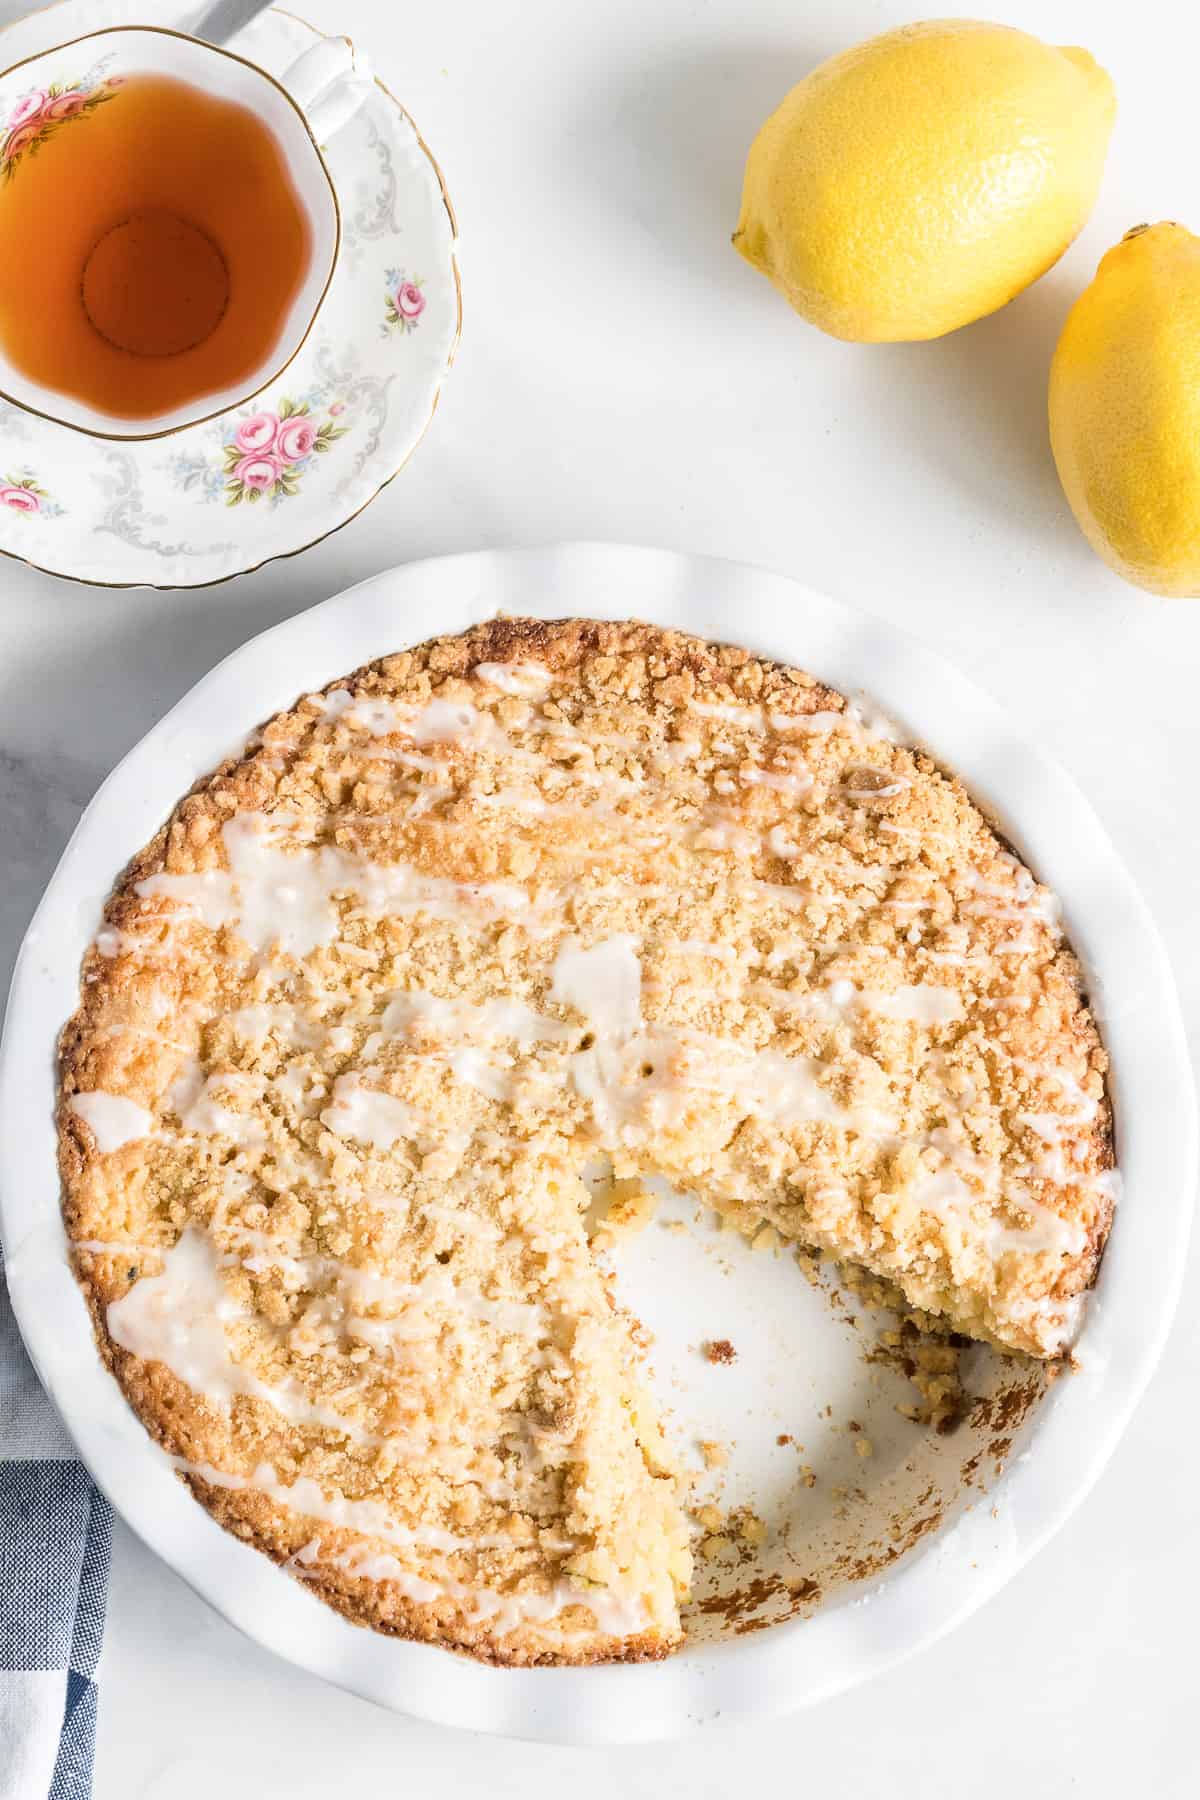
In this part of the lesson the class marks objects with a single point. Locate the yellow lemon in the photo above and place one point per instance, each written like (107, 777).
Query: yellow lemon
(1125, 409)
(921, 180)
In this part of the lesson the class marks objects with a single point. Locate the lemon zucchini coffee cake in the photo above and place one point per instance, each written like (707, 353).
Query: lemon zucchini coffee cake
(383, 989)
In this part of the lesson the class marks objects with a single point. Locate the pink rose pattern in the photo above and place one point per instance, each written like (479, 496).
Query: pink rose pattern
(17, 142)
(405, 302)
(22, 494)
(20, 499)
(268, 452)
(257, 432)
(65, 106)
(258, 472)
(38, 114)
(297, 438)
(27, 108)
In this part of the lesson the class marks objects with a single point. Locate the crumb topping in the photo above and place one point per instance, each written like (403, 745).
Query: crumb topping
(365, 1008)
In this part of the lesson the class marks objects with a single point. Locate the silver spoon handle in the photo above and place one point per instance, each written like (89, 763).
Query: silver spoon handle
(225, 18)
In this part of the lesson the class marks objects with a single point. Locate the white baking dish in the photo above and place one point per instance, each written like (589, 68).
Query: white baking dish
(917, 1488)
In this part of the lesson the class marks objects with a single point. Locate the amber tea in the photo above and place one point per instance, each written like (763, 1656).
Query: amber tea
(151, 244)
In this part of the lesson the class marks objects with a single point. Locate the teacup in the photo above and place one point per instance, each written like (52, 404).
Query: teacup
(57, 90)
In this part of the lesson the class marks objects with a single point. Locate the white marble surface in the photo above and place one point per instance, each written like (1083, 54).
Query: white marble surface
(623, 375)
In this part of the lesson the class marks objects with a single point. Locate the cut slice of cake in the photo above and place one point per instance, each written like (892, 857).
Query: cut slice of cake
(439, 1426)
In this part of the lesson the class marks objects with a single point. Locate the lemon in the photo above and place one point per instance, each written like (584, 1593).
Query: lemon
(922, 179)
(1125, 409)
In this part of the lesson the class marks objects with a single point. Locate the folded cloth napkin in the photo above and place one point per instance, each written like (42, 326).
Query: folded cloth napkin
(55, 1530)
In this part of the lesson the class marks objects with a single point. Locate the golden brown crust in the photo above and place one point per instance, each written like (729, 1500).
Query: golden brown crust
(948, 1127)
(367, 1603)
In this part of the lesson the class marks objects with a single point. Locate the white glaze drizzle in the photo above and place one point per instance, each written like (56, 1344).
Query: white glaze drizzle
(603, 982)
(633, 1072)
(113, 1119)
(426, 1305)
(369, 1517)
(367, 1115)
(945, 1193)
(415, 1012)
(1024, 899)
(796, 781)
(730, 713)
(462, 1220)
(855, 721)
(725, 953)
(284, 898)
(918, 1003)
(200, 1102)
(256, 1023)
(525, 680)
(615, 1615)
(438, 721)
(334, 704)
(178, 1318)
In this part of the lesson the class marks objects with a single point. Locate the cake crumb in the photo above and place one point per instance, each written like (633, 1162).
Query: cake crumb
(750, 1528)
(920, 1347)
(713, 1546)
(718, 1350)
(809, 1264)
(630, 1210)
(715, 1454)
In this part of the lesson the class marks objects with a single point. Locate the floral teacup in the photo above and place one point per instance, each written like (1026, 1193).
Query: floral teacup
(61, 89)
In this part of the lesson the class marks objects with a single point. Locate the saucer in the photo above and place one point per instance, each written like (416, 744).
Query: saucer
(206, 503)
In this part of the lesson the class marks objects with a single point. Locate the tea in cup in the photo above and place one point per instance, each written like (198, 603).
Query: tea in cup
(168, 226)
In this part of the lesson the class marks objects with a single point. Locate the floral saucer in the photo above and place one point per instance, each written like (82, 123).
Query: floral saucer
(273, 477)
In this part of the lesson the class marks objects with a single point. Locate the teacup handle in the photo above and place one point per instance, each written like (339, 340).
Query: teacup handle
(329, 83)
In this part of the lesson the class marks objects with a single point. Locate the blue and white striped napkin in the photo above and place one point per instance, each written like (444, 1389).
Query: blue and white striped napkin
(55, 1529)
